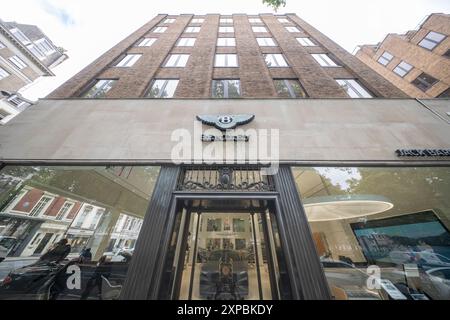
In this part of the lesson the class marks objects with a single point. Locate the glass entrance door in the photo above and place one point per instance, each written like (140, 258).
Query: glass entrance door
(225, 258)
(233, 255)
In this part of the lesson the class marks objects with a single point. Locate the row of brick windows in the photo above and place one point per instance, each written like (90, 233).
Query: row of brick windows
(227, 88)
(423, 82)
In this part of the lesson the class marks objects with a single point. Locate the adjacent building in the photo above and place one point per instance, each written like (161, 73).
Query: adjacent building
(238, 157)
(418, 61)
(26, 54)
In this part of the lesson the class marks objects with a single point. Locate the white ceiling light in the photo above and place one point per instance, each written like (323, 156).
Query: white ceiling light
(330, 208)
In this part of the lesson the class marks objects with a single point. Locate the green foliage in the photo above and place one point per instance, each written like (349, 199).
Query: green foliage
(275, 4)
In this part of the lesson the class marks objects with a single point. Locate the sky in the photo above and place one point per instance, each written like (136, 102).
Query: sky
(88, 28)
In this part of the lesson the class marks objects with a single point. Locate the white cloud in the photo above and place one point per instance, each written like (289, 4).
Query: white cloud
(87, 28)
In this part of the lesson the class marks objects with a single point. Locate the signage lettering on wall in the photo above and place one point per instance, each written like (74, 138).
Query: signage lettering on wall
(423, 152)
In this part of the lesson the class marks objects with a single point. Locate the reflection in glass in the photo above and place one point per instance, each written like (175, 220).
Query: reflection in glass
(55, 221)
(392, 220)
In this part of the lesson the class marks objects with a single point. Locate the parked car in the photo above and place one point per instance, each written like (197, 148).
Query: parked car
(6, 245)
(436, 283)
(224, 276)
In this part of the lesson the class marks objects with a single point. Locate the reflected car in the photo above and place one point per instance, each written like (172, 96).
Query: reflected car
(436, 283)
(346, 281)
(224, 276)
(426, 257)
(6, 245)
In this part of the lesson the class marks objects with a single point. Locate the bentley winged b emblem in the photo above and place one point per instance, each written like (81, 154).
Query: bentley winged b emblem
(225, 122)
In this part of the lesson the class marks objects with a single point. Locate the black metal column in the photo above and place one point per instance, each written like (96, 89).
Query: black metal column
(144, 265)
(309, 280)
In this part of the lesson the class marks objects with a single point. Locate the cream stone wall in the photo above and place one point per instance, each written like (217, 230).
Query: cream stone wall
(310, 130)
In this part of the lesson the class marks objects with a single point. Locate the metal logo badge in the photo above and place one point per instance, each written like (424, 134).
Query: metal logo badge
(226, 122)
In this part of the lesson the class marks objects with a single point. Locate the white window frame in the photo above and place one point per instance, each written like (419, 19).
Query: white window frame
(165, 83)
(230, 60)
(259, 29)
(278, 59)
(402, 69)
(3, 73)
(306, 42)
(292, 29)
(355, 90)
(385, 58)
(226, 20)
(266, 42)
(430, 40)
(288, 85)
(129, 60)
(226, 29)
(147, 42)
(20, 35)
(36, 51)
(45, 46)
(191, 29)
(254, 20)
(64, 210)
(186, 42)
(198, 20)
(169, 20)
(159, 30)
(324, 60)
(41, 205)
(226, 42)
(17, 62)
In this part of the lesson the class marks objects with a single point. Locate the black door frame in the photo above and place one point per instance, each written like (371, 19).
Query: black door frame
(306, 274)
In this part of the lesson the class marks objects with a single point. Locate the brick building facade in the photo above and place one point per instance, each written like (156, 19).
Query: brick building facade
(256, 78)
(417, 62)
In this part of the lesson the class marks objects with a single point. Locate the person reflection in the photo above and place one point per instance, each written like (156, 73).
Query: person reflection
(103, 269)
(57, 253)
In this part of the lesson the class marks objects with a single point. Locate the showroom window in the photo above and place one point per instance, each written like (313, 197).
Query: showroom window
(380, 233)
(226, 88)
(45, 257)
(163, 88)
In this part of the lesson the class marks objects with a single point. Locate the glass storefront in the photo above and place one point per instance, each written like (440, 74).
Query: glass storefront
(69, 232)
(381, 233)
